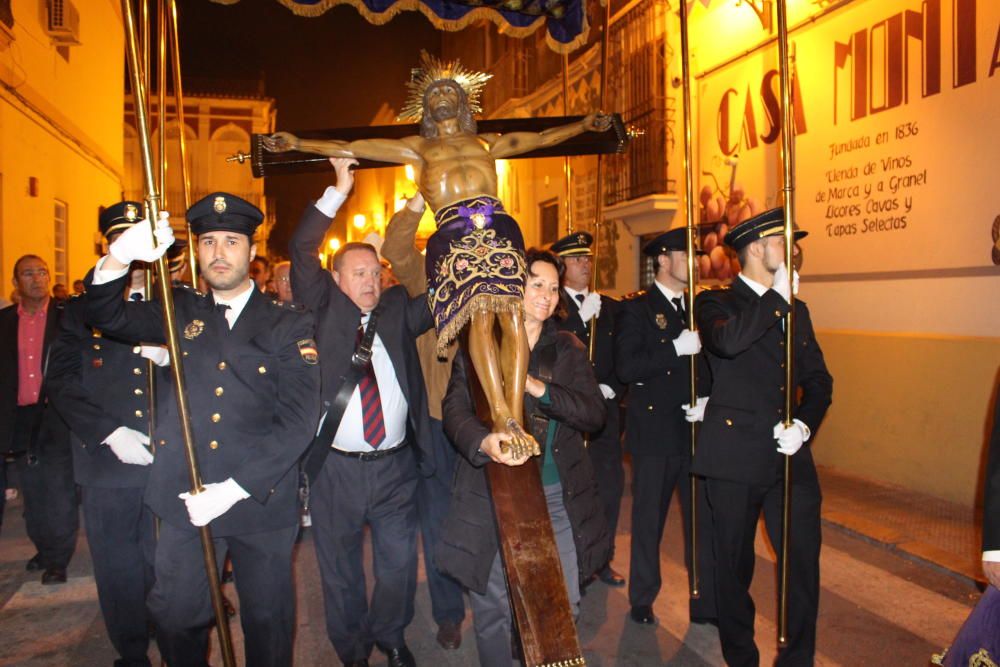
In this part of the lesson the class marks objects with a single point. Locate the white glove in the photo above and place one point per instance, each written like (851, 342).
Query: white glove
(213, 502)
(791, 439)
(129, 446)
(136, 242)
(158, 354)
(608, 392)
(591, 306)
(780, 284)
(687, 343)
(697, 413)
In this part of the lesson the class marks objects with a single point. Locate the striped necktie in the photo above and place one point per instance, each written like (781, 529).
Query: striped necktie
(371, 403)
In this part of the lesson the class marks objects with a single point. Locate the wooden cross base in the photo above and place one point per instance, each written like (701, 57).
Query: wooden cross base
(535, 583)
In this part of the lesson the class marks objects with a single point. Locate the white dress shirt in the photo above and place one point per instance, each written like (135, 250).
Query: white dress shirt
(669, 293)
(350, 436)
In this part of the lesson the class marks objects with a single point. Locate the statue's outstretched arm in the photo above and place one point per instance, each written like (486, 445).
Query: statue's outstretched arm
(518, 143)
(396, 151)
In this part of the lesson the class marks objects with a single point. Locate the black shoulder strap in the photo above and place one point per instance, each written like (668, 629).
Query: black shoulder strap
(546, 360)
(315, 456)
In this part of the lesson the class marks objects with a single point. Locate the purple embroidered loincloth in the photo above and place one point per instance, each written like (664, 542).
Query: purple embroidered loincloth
(474, 262)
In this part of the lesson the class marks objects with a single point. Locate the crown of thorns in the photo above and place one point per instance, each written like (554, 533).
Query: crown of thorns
(431, 71)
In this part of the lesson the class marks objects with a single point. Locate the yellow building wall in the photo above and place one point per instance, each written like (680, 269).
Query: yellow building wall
(60, 129)
(910, 410)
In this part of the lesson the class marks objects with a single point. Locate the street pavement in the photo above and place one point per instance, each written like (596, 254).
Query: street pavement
(877, 607)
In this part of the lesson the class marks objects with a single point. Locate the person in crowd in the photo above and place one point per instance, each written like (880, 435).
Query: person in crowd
(375, 439)
(654, 348)
(744, 438)
(252, 380)
(580, 308)
(282, 276)
(100, 386)
(564, 402)
(433, 492)
(30, 430)
(60, 293)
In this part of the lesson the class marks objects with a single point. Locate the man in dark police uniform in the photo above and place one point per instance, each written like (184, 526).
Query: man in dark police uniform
(743, 442)
(253, 389)
(654, 347)
(580, 306)
(99, 385)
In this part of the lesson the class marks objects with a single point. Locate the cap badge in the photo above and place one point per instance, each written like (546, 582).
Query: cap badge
(219, 206)
(581, 240)
(131, 212)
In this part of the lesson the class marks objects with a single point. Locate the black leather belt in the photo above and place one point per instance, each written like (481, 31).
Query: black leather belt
(373, 455)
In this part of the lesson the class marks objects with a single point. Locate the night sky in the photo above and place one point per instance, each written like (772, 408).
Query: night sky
(334, 70)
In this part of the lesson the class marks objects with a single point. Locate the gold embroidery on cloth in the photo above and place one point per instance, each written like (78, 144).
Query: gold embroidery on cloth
(481, 272)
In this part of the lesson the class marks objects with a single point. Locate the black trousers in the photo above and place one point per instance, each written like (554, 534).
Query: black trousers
(121, 535)
(51, 517)
(181, 606)
(735, 510)
(434, 499)
(654, 479)
(605, 450)
(347, 495)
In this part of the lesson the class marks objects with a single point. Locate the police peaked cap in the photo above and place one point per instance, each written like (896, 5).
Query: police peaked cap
(762, 225)
(675, 239)
(576, 244)
(221, 211)
(119, 217)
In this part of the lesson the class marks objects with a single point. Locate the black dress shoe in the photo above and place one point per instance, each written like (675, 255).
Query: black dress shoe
(54, 575)
(400, 657)
(449, 635)
(610, 577)
(643, 614)
(363, 662)
(34, 564)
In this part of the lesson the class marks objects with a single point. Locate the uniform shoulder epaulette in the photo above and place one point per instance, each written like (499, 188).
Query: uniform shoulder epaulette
(74, 296)
(634, 295)
(289, 305)
(713, 288)
(189, 288)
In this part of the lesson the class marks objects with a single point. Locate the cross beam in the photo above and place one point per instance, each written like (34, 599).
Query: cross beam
(264, 163)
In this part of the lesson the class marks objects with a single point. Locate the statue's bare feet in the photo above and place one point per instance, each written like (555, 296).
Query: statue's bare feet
(521, 443)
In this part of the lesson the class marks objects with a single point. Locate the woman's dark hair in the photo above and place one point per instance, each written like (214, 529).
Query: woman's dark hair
(533, 255)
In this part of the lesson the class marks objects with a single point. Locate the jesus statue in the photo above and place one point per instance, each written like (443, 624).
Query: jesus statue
(475, 259)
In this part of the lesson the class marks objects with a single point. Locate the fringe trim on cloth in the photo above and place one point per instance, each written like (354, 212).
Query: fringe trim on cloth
(450, 25)
(481, 303)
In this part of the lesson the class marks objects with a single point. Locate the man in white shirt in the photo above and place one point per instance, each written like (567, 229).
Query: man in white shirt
(380, 445)
(252, 379)
(743, 441)
(584, 312)
(654, 348)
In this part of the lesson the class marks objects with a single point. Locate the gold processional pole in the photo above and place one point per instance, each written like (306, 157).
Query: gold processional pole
(173, 343)
(161, 102)
(182, 131)
(788, 181)
(599, 204)
(692, 282)
(567, 170)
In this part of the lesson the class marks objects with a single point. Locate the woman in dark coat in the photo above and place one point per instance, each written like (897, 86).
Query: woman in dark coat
(560, 388)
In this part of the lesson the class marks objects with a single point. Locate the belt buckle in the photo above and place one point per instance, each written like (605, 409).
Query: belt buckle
(369, 456)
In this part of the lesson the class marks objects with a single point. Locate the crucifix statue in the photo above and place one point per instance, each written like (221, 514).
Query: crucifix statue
(475, 259)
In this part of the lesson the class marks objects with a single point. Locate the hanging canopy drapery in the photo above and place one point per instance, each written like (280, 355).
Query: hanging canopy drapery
(565, 21)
